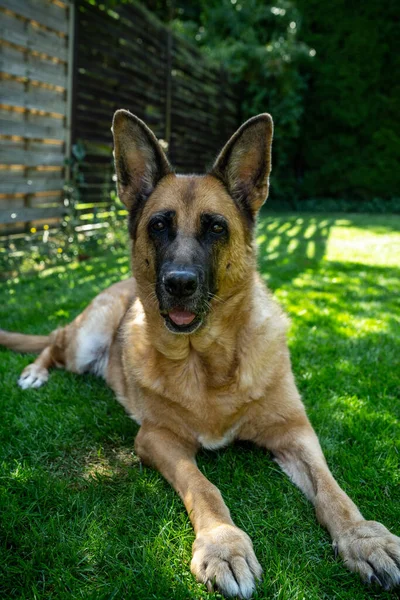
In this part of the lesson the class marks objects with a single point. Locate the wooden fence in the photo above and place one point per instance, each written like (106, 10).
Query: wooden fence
(56, 94)
(35, 74)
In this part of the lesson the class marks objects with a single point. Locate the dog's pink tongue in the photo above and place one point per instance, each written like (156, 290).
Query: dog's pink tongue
(181, 317)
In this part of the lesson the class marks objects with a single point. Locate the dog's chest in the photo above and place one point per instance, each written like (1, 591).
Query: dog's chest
(206, 394)
(214, 440)
(211, 403)
(198, 382)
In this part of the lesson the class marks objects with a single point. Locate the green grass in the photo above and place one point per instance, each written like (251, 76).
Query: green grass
(79, 518)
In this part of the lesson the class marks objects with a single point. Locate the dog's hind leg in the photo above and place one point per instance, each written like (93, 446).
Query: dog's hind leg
(37, 373)
(80, 347)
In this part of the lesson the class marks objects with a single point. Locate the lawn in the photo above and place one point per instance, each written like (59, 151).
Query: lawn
(80, 518)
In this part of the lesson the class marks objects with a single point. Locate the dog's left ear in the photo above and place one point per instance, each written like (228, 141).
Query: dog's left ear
(140, 162)
(244, 164)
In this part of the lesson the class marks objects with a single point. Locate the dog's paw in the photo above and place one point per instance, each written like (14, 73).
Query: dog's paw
(223, 558)
(368, 548)
(33, 376)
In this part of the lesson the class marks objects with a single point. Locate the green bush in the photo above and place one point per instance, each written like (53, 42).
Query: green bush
(350, 138)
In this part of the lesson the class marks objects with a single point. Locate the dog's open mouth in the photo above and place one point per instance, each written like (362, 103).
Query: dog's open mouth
(181, 317)
(182, 321)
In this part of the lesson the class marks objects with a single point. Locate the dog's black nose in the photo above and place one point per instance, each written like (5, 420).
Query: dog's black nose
(181, 282)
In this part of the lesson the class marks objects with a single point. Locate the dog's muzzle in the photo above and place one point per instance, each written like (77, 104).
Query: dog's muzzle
(181, 293)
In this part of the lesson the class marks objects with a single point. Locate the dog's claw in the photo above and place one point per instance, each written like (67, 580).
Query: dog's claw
(375, 579)
(335, 549)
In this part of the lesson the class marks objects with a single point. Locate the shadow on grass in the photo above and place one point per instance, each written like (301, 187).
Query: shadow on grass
(291, 244)
(59, 293)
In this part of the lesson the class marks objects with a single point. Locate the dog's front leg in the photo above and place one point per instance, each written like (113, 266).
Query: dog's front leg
(223, 554)
(366, 547)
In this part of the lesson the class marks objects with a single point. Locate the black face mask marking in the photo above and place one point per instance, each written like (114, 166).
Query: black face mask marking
(186, 267)
(213, 235)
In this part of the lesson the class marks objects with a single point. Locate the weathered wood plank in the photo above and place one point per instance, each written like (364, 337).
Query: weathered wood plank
(47, 201)
(25, 34)
(23, 64)
(16, 115)
(129, 25)
(29, 130)
(115, 76)
(17, 153)
(12, 203)
(118, 47)
(14, 93)
(123, 69)
(42, 11)
(137, 100)
(19, 215)
(28, 185)
(14, 231)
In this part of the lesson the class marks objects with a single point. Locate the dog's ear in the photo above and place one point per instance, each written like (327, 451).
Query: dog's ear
(140, 162)
(244, 164)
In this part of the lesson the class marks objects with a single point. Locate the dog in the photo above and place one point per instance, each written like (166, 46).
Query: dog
(194, 347)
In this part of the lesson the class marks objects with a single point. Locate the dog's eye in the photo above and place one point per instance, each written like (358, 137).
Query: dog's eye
(158, 226)
(217, 228)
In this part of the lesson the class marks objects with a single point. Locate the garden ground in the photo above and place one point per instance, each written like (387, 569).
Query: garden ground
(80, 518)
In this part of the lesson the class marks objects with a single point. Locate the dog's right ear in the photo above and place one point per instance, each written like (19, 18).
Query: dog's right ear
(244, 164)
(140, 161)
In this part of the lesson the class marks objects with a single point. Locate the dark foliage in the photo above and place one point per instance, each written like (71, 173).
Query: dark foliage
(350, 138)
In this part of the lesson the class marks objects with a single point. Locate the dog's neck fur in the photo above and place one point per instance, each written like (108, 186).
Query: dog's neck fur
(218, 349)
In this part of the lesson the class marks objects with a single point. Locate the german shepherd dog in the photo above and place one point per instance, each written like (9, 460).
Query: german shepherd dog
(194, 347)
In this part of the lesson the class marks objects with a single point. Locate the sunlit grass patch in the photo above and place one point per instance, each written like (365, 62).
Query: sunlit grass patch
(80, 519)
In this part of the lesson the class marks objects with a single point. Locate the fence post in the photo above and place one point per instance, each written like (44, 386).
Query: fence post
(70, 85)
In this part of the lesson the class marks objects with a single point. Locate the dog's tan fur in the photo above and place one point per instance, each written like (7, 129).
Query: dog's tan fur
(231, 379)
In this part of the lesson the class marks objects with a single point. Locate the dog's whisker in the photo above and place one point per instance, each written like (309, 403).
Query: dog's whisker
(218, 299)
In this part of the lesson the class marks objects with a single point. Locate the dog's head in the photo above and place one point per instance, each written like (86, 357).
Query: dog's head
(191, 235)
